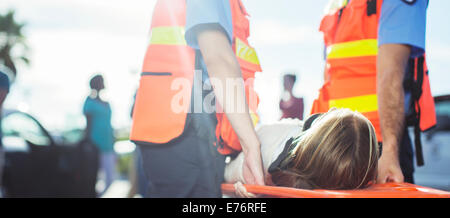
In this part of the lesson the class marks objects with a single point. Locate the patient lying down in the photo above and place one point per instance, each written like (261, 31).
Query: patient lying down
(335, 150)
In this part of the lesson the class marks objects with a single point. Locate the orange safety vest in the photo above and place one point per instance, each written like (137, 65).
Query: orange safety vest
(169, 58)
(350, 33)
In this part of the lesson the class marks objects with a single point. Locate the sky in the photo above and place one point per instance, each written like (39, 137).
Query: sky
(72, 40)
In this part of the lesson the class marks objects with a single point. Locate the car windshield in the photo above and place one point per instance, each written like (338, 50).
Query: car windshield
(443, 108)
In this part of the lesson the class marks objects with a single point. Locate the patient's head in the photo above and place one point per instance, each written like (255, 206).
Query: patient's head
(339, 151)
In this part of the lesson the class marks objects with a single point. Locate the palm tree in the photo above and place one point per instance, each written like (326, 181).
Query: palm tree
(11, 37)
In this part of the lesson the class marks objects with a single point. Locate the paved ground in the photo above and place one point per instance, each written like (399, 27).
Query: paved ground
(119, 189)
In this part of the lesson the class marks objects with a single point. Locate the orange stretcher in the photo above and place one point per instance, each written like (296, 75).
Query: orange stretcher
(390, 190)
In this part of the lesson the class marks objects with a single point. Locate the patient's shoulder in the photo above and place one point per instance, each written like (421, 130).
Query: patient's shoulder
(273, 137)
(280, 126)
(276, 133)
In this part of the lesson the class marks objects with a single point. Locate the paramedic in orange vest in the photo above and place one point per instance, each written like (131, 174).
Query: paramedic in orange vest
(375, 54)
(184, 153)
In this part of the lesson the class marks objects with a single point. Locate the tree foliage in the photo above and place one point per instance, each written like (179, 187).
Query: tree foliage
(13, 47)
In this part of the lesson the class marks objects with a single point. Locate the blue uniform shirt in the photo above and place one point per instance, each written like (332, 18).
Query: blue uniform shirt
(401, 23)
(101, 129)
(200, 14)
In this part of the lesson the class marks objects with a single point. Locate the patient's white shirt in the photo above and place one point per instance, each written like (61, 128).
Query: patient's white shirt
(273, 138)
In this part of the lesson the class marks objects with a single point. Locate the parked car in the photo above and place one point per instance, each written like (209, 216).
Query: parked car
(436, 148)
(37, 166)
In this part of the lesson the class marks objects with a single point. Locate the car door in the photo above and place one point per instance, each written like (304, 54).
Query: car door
(30, 158)
(436, 148)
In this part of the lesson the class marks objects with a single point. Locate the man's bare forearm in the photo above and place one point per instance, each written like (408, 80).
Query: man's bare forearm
(391, 65)
(223, 68)
(391, 101)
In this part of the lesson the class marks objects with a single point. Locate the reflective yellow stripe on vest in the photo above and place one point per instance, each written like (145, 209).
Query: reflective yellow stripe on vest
(255, 118)
(361, 48)
(170, 35)
(245, 52)
(362, 104)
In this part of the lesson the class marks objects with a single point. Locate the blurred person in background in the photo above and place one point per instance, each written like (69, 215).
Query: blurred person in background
(99, 130)
(4, 90)
(291, 106)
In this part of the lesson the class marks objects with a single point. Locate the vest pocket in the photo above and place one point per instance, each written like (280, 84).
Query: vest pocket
(162, 104)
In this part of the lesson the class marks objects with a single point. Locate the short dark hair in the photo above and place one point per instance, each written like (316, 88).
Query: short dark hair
(95, 81)
(293, 77)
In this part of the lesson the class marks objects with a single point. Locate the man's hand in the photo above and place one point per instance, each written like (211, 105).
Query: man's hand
(252, 168)
(241, 192)
(389, 168)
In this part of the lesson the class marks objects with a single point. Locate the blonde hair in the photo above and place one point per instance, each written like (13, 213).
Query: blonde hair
(339, 151)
